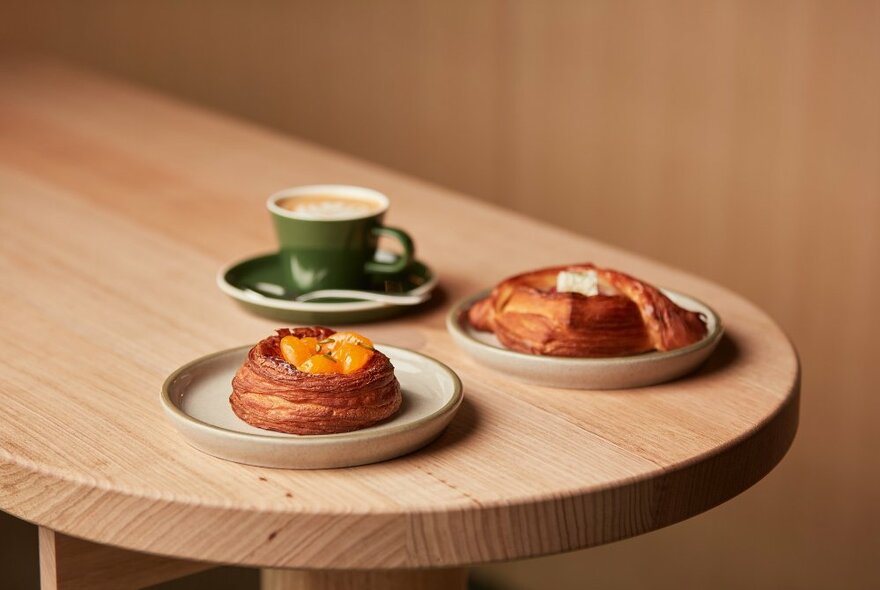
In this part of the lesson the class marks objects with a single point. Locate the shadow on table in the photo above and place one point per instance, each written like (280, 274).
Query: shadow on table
(463, 425)
(439, 298)
(725, 355)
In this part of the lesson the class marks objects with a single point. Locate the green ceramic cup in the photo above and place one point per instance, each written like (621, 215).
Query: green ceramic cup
(328, 234)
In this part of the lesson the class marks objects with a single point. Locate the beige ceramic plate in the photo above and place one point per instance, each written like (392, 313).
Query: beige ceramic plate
(196, 400)
(585, 373)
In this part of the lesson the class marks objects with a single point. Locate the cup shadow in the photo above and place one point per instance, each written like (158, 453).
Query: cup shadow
(439, 298)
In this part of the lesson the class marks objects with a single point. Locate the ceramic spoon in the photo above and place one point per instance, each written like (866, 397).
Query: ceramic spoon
(276, 291)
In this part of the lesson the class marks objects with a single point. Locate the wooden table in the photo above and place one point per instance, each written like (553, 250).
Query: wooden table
(117, 206)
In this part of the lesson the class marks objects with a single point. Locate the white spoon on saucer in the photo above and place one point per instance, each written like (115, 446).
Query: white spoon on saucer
(277, 291)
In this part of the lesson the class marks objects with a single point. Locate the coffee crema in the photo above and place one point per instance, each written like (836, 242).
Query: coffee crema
(329, 206)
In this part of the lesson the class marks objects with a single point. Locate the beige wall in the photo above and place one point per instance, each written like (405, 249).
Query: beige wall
(739, 140)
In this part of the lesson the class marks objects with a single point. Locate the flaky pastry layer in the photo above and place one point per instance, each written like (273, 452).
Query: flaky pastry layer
(527, 314)
(268, 392)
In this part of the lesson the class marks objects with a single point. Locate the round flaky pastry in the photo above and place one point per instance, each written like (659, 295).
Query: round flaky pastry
(270, 393)
(624, 316)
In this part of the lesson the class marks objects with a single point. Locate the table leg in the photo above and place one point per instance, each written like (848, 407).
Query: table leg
(67, 563)
(434, 579)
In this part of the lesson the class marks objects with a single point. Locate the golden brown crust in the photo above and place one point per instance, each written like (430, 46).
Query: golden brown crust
(527, 314)
(268, 392)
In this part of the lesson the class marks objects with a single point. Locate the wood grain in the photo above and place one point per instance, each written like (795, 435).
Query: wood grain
(735, 139)
(116, 208)
(67, 563)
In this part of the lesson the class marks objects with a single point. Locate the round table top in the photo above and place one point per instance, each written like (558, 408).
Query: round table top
(114, 222)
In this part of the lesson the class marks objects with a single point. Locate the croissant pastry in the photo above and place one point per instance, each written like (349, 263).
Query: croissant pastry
(347, 387)
(584, 311)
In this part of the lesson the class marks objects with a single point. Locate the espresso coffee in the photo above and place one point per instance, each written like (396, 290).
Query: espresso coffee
(329, 207)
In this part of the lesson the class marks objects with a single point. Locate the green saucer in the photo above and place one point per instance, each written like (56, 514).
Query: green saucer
(256, 284)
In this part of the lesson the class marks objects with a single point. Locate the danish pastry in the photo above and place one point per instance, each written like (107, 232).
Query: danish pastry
(315, 381)
(584, 311)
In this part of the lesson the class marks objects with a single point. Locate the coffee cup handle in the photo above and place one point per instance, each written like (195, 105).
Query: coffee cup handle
(376, 267)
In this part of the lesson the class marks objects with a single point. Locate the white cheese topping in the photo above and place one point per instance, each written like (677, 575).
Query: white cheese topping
(584, 282)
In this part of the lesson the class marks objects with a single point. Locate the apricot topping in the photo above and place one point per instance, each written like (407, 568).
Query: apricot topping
(342, 352)
(295, 351)
(319, 364)
(352, 357)
(353, 337)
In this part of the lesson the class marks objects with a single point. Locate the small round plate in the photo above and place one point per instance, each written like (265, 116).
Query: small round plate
(195, 398)
(585, 373)
(256, 284)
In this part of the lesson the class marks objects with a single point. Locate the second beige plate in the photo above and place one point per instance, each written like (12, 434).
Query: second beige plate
(195, 398)
(585, 373)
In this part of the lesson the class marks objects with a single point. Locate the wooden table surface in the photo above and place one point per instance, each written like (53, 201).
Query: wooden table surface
(117, 207)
